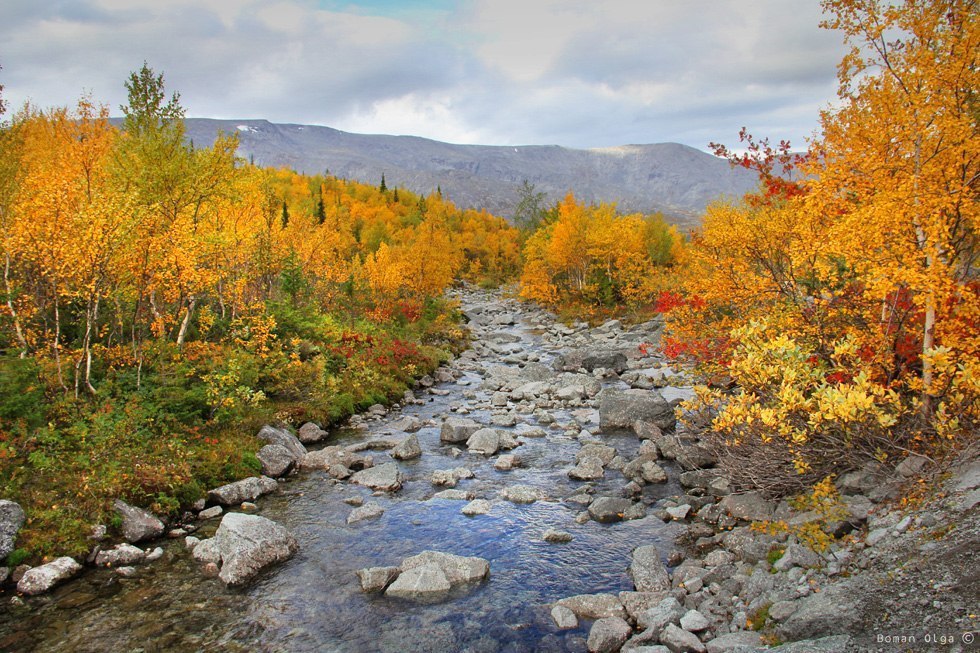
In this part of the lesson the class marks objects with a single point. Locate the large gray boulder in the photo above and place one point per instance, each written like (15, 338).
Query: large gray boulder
(247, 489)
(622, 408)
(11, 519)
(457, 429)
(750, 506)
(376, 579)
(276, 460)
(591, 359)
(423, 583)
(484, 441)
(248, 544)
(679, 640)
(834, 611)
(648, 571)
(430, 575)
(310, 433)
(407, 449)
(668, 611)
(41, 579)
(385, 477)
(120, 555)
(336, 460)
(137, 524)
(458, 569)
(280, 436)
(609, 509)
(594, 606)
(743, 639)
(587, 469)
(608, 635)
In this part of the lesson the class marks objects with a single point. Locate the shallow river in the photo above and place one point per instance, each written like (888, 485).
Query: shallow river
(313, 602)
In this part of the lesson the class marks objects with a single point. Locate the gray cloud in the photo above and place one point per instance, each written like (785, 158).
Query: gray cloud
(573, 72)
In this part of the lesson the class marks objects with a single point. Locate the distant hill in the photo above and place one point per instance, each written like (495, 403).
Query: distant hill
(675, 179)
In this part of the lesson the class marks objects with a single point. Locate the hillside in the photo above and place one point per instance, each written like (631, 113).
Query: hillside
(675, 179)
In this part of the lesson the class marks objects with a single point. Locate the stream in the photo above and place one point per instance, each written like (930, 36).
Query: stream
(313, 602)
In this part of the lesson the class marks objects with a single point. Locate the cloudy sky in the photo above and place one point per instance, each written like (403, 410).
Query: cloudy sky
(579, 73)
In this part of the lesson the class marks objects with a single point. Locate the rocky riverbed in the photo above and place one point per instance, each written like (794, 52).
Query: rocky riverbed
(536, 494)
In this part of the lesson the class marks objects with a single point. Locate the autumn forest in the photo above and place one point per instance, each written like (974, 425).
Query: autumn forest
(163, 300)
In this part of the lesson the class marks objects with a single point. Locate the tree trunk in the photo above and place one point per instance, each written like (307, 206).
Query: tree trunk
(21, 340)
(191, 303)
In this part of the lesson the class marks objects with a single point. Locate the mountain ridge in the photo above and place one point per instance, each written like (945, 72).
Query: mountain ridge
(677, 180)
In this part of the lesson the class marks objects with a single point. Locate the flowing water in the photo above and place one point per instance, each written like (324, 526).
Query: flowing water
(313, 602)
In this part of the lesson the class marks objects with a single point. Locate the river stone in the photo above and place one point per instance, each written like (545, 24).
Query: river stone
(210, 513)
(368, 511)
(247, 489)
(457, 569)
(38, 580)
(668, 611)
(745, 639)
(608, 635)
(836, 610)
(564, 618)
(622, 408)
(454, 495)
(477, 507)
(639, 602)
(647, 431)
(407, 449)
(750, 506)
(648, 571)
(590, 359)
(609, 509)
(155, 554)
(279, 436)
(506, 462)
(521, 494)
(276, 460)
(556, 537)
(588, 469)
(603, 452)
(120, 555)
(407, 424)
(137, 524)
(594, 606)
(207, 552)
(11, 519)
(679, 640)
(385, 477)
(457, 429)
(249, 543)
(694, 622)
(376, 579)
(334, 458)
(449, 477)
(425, 582)
(310, 433)
(484, 441)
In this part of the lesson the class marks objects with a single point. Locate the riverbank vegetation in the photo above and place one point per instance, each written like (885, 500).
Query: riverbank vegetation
(162, 301)
(836, 311)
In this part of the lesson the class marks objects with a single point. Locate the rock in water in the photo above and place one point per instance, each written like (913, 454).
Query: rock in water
(41, 579)
(622, 408)
(137, 524)
(608, 635)
(609, 509)
(248, 544)
(376, 579)
(11, 519)
(458, 569)
(310, 433)
(276, 460)
(274, 435)
(648, 571)
(383, 477)
(457, 429)
(247, 489)
(484, 441)
(407, 449)
(368, 511)
(425, 583)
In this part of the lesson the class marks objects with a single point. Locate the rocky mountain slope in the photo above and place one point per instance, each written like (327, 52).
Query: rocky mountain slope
(675, 179)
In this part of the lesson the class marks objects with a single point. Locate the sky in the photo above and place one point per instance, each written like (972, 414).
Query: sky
(577, 73)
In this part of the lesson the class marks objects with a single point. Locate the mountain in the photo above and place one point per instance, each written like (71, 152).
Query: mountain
(675, 179)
